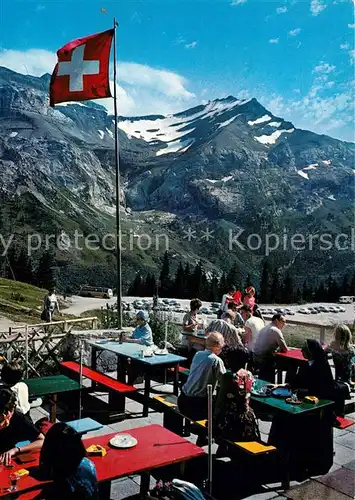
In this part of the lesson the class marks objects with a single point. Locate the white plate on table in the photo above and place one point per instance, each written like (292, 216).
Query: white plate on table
(161, 352)
(123, 441)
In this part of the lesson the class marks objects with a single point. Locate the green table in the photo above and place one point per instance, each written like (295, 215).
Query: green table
(52, 385)
(287, 413)
(280, 404)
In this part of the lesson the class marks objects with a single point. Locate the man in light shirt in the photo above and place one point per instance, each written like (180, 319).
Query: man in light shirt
(252, 326)
(50, 305)
(226, 298)
(269, 340)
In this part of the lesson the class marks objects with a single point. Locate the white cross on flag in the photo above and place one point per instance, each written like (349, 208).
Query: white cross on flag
(82, 71)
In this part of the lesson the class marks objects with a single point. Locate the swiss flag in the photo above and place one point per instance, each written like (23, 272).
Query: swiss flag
(82, 71)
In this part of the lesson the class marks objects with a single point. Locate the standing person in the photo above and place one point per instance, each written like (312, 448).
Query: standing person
(249, 297)
(343, 353)
(252, 326)
(50, 304)
(63, 461)
(269, 340)
(190, 324)
(14, 427)
(206, 368)
(226, 298)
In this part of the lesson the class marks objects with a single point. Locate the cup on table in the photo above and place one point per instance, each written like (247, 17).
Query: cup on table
(13, 478)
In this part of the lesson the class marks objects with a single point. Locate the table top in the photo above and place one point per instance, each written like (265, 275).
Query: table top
(295, 354)
(52, 384)
(280, 403)
(157, 447)
(132, 350)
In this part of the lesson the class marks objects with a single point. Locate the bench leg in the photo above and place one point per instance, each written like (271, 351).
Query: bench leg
(105, 490)
(116, 401)
(145, 484)
(146, 394)
(94, 366)
(53, 410)
(176, 380)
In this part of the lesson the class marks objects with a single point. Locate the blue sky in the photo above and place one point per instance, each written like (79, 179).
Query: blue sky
(295, 56)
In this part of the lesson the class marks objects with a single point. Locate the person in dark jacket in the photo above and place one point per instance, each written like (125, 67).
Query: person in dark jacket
(308, 438)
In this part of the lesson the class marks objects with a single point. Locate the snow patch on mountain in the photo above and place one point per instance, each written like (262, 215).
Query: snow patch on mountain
(272, 138)
(302, 174)
(110, 133)
(176, 146)
(274, 124)
(227, 122)
(172, 127)
(262, 119)
(13, 134)
(311, 167)
(327, 162)
(101, 134)
(331, 197)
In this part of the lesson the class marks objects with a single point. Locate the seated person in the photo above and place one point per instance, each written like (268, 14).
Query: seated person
(63, 461)
(14, 427)
(343, 353)
(315, 378)
(142, 334)
(191, 323)
(11, 375)
(226, 327)
(269, 340)
(252, 326)
(310, 441)
(233, 308)
(206, 368)
(233, 418)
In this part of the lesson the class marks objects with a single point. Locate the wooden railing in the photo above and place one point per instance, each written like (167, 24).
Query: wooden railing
(36, 344)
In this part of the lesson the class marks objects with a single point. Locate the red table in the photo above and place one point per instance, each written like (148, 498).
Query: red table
(157, 447)
(289, 360)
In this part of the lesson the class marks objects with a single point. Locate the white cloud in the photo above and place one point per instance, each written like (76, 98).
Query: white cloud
(238, 2)
(344, 46)
(191, 45)
(317, 6)
(295, 32)
(324, 68)
(142, 89)
(352, 56)
(274, 40)
(281, 10)
(351, 26)
(276, 105)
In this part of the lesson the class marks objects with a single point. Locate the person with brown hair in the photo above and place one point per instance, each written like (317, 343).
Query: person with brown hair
(14, 427)
(11, 375)
(343, 353)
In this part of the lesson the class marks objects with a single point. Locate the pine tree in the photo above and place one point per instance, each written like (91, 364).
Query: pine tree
(275, 289)
(214, 284)
(223, 285)
(265, 283)
(248, 281)
(179, 282)
(45, 274)
(164, 278)
(187, 276)
(288, 292)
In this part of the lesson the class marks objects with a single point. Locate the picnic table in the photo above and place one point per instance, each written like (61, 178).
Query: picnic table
(51, 386)
(132, 352)
(197, 337)
(294, 415)
(157, 447)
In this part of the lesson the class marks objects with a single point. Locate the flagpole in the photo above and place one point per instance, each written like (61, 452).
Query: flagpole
(118, 182)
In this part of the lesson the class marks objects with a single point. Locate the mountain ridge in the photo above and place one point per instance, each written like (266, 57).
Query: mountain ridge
(229, 162)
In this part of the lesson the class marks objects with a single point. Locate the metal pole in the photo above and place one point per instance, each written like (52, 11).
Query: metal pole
(26, 350)
(81, 374)
(118, 182)
(210, 416)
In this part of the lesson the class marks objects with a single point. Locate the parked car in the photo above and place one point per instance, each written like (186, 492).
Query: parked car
(280, 310)
(205, 310)
(304, 310)
(323, 308)
(333, 309)
(341, 309)
(313, 310)
(289, 312)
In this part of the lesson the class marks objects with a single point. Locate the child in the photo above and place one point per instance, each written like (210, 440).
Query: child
(11, 375)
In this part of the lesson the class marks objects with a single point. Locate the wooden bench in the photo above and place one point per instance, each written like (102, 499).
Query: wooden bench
(117, 390)
(170, 402)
